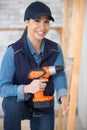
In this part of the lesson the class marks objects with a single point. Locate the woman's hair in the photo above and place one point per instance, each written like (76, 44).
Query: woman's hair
(24, 33)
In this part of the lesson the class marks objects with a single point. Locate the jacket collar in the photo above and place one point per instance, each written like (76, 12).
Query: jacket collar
(31, 48)
(46, 53)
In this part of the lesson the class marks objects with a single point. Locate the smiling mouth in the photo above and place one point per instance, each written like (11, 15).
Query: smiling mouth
(40, 33)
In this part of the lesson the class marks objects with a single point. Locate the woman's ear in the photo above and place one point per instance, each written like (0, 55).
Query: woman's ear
(26, 22)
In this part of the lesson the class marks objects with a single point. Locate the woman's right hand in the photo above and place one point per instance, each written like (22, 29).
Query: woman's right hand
(35, 86)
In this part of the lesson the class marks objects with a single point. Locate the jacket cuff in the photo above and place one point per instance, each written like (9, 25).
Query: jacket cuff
(20, 96)
(60, 93)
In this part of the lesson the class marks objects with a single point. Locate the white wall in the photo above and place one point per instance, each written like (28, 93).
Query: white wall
(82, 93)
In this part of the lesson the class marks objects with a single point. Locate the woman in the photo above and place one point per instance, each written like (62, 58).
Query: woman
(30, 52)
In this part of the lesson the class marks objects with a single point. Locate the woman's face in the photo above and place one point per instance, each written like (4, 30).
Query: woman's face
(38, 28)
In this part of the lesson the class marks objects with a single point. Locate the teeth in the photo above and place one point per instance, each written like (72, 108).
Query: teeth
(40, 32)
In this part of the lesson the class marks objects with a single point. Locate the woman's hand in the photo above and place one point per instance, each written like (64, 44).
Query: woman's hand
(64, 105)
(35, 86)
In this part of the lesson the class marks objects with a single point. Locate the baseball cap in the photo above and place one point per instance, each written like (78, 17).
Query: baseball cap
(36, 10)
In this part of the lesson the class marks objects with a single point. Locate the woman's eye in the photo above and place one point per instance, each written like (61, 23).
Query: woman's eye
(37, 20)
(47, 21)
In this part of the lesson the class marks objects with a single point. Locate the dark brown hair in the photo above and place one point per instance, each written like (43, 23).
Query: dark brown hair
(25, 32)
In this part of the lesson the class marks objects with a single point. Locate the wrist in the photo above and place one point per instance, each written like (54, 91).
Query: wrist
(63, 99)
(26, 89)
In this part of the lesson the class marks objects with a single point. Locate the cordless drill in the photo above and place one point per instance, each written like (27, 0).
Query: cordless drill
(39, 99)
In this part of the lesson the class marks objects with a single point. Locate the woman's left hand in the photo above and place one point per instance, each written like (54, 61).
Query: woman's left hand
(64, 105)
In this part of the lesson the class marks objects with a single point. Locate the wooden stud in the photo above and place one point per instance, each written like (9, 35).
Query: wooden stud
(9, 29)
(64, 43)
(73, 98)
(77, 29)
(65, 28)
(68, 95)
(75, 52)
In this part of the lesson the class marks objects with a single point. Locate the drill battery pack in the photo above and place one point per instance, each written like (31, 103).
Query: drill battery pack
(44, 104)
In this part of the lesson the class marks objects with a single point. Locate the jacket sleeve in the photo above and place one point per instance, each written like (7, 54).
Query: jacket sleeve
(7, 71)
(60, 80)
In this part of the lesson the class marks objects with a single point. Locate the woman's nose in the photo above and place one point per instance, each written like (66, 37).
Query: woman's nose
(42, 25)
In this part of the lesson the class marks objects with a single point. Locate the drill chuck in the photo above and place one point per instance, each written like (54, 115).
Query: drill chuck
(55, 69)
(59, 68)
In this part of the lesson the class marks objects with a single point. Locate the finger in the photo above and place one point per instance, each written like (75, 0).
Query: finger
(66, 112)
(44, 80)
(43, 85)
(42, 89)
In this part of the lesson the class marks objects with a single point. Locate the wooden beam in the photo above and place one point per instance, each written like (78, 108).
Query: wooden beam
(64, 41)
(65, 27)
(59, 123)
(9, 29)
(68, 95)
(73, 98)
(77, 29)
(75, 52)
(57, 29)
(59, 32)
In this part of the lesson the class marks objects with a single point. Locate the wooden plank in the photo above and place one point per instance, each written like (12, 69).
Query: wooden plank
(59, 31)
(11, 29)
(73, 98)
(65, 27)
(64, 41)
(62, 121)
(25, 125)
(75, 52)
(77, 29)
(1, 122)
(59, 123)
(68, 95)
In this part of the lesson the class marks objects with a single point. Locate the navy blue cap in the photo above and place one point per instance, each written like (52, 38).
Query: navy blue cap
(36, 10)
